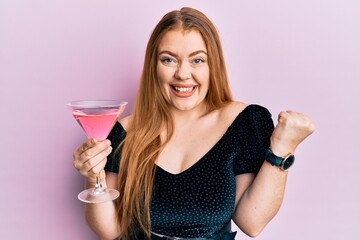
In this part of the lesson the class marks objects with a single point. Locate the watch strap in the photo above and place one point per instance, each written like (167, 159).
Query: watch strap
(283, 162)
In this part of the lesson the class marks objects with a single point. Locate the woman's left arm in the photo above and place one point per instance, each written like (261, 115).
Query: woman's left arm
(259, 198)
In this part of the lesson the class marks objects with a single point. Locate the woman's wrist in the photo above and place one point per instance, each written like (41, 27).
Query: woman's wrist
(280, 149)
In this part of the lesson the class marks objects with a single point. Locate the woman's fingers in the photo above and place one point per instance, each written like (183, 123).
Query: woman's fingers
(90, 157)
(98, 168)
(94, 161)
(83, 147)
(295, 124)
(92, 151)
(291, 130)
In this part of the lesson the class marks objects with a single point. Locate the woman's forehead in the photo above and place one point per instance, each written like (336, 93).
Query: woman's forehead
(182, 41)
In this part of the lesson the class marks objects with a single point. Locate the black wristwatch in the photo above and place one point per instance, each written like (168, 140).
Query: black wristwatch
(283, 162)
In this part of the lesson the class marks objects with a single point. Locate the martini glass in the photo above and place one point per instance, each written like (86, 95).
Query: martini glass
(97, 118)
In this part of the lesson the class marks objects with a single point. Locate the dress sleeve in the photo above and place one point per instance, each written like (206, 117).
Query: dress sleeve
(257, 127)
(116, 136)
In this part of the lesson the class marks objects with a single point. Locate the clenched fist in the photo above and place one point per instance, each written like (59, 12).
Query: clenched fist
(291, 130)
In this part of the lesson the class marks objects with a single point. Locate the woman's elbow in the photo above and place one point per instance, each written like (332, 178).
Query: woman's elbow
(252, 231)
(249, 227)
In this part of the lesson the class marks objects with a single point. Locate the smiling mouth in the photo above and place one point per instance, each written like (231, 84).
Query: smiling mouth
(183, 89)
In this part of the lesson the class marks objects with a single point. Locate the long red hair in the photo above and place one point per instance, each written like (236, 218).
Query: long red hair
(151, 117)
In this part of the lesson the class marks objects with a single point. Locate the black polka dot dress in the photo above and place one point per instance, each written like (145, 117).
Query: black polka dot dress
(200, 201)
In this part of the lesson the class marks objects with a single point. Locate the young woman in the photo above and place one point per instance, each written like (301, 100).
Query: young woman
(189, 159)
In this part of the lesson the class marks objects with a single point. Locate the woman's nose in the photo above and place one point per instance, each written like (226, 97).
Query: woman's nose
(183, 71)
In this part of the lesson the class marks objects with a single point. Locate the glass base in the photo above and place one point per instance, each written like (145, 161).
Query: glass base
(94, 195)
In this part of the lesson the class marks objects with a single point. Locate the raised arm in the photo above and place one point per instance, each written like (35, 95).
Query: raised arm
(259, 198)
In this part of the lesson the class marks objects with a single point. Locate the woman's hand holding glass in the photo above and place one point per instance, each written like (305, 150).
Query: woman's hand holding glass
(90, 159)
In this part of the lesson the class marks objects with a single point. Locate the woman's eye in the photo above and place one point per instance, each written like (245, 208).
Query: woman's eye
(198, 60)
(167, 60)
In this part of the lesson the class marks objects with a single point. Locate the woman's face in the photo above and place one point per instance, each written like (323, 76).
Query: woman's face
(183, 69)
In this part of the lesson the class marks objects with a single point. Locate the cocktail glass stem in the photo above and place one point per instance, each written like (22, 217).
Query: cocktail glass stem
(99, 188)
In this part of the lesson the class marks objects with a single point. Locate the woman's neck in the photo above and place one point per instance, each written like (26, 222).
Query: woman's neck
(186, 116)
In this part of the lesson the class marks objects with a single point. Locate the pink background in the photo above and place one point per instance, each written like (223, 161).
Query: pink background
(301, 55)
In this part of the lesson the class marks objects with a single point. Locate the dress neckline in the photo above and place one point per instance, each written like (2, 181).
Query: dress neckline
(201, 160)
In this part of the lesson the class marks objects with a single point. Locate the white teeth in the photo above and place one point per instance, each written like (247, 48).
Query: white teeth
(183, 89)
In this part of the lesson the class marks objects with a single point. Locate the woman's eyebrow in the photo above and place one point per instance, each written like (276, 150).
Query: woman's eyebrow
(168, 52)
(175, 55)
(197, 52)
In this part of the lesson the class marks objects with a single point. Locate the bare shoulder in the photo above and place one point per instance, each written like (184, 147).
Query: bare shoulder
(233, 109)
(238, 106)
(228, 114)
(125, 122)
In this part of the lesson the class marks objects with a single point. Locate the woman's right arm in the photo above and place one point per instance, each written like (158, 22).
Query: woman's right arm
(89, 160)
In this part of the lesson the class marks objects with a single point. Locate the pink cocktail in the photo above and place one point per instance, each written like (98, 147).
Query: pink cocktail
(98, 123)
(97, 118)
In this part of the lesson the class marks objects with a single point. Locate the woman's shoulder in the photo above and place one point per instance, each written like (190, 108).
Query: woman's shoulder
(226, 115)
(232, 109)
(125, 122)
(236, 110)
(239, 107)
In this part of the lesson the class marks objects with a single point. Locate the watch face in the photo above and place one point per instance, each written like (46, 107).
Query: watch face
(288, 162)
